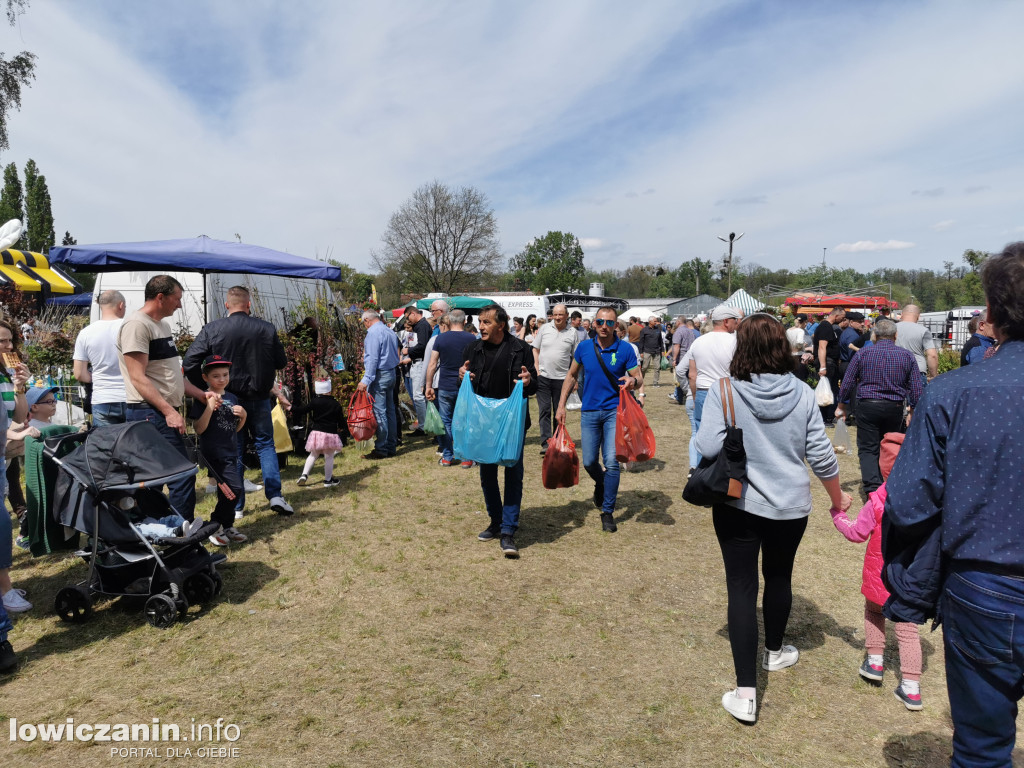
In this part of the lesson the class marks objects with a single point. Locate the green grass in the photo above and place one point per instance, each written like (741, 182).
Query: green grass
(372, 628)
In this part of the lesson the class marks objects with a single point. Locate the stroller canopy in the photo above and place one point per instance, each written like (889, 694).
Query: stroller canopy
(131, 455)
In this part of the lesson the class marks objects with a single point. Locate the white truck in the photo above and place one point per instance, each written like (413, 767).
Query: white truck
(949, 327)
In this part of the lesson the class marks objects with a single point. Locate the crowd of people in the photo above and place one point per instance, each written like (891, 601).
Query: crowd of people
(939, 457)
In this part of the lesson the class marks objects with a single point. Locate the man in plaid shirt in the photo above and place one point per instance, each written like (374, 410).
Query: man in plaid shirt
(883, 376)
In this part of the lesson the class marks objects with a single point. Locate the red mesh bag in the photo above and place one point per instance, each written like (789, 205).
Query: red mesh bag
(634, 438)
(361, 423)
(561, 463)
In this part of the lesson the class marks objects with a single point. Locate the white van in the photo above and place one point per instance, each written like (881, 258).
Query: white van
(518, 306)
(272, 296)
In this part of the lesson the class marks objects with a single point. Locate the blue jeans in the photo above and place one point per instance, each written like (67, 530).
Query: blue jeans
(6, 542)
(503, 514)
(382, 390)
(181, 493)
(698, 409)
(984, 664)
(105, 414)
(597, 431)
(446, 406)
(260, 425)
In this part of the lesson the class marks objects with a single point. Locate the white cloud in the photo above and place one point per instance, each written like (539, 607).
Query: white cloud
(378, 99)
(942, 226)
(867, 246)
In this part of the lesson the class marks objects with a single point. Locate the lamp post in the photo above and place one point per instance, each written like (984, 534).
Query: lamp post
(733, 237)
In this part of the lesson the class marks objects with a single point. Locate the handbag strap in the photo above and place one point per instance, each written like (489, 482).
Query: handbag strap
(728, 406)
(600, 358)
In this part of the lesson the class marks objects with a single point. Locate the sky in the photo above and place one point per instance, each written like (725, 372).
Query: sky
(887, 133)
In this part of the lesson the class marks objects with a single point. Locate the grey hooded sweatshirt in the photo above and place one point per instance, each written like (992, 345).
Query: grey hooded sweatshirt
(781, 426)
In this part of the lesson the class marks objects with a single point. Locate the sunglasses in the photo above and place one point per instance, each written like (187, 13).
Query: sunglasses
(604, 322)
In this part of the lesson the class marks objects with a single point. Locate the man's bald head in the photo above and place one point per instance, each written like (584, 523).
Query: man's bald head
(911, 313)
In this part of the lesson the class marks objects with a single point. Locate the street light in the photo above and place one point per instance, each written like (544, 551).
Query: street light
(733, 237)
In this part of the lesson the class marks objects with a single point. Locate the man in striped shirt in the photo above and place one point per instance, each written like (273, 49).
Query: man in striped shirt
(883, 376)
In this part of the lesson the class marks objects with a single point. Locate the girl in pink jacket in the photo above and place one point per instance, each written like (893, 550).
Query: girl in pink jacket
(868, 526)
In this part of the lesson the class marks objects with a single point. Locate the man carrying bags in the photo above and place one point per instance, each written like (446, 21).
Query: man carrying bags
(607, 363)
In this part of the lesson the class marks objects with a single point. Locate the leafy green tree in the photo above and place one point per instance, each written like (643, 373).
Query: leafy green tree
(554, 262)
(39, 233)
(973, 259)
(68, 239)
(12, 197)
(15, 73)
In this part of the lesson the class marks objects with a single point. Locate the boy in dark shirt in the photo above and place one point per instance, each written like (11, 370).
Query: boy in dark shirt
(217, 423)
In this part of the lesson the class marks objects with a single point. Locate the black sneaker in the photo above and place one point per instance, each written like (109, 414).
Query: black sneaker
(332, 482)
(608, 523)
(508, 546)
(489, 535)
(598, 496)
(8, 659)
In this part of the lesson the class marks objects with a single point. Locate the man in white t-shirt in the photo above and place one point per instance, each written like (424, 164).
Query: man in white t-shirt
(710, 358)
(553, 348)
(96, 347)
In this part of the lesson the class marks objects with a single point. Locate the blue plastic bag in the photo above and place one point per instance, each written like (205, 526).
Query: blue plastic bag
(487, 430)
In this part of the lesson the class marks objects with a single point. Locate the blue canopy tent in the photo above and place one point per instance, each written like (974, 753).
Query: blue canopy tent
(80, 300)
(197, 254)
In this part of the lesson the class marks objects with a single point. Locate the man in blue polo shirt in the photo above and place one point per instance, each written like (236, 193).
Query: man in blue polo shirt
(600, 405)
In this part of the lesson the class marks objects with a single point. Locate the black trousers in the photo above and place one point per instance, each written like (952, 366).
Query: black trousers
(742, 536)
(828, 412)
(548, 393)
(227, 468)
(851, 408)
(874, 419)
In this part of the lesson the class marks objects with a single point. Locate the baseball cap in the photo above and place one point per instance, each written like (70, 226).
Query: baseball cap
(212, 361)
(724, 312)
(35, 394)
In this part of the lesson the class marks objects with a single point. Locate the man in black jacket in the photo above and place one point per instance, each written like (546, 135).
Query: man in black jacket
(256, 353)
(417, 365)
(652, 348)
(495, 362)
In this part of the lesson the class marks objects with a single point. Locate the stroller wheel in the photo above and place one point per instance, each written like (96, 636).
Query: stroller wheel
(73, 605)
(200, 588)
(161, 611)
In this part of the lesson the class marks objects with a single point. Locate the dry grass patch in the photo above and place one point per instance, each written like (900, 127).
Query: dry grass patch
(372, 628)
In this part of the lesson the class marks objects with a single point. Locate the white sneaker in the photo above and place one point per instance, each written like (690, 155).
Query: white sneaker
(251, 487)
(189, 527)
(282, 507)
(786, 656)
(302, 480)
(741, 709)
(15, 602)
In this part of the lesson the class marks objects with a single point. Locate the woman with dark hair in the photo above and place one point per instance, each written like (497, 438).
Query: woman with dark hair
(782, 427)
(529, 329)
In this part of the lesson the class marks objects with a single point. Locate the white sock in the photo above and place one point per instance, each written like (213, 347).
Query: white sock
(328, 466)
(875, 659)
(911, 687)
(774, 654)
(746, 693)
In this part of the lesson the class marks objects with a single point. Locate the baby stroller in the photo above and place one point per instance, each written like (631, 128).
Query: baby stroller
(105, 488)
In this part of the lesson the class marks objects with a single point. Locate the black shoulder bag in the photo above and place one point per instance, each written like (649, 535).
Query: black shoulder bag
(721, 479)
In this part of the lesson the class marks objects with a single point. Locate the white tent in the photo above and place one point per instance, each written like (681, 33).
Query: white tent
(743, 300)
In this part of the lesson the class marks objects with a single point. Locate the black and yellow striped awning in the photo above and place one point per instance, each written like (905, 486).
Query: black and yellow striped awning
(30, 271)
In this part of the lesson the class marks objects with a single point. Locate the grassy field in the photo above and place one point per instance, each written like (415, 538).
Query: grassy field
(373, 629)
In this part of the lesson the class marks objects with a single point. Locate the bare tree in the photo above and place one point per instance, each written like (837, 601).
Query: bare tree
(442, 239)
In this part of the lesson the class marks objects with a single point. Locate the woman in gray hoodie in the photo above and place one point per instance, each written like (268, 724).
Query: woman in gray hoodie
(782, 428)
